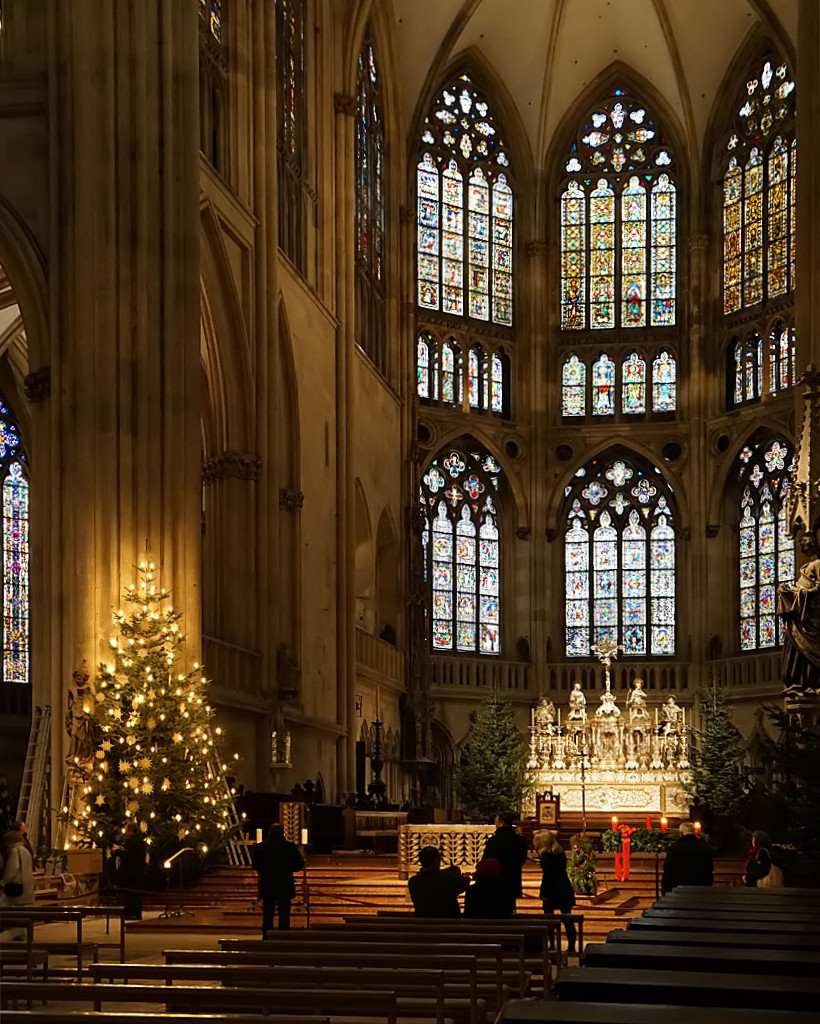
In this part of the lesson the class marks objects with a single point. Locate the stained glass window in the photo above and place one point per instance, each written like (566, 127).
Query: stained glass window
(758, 367)
(759, 189)
(370, 326)
(603, 386)
(474, 381)
(664, 383)
(16, 624)
(766, 549)
(211, 13)
(574, 384)
(458, 492)
(497, 382)
(619, 559)
(423, 366)
(442, 374)
(618, 221)
(450, 373)
(633, 384)
(461, 141)
(293, 189)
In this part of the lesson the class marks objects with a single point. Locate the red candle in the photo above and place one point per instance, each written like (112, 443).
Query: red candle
(618, 867)
(649, 821)
(627, 847)
(698, 827)
(614, 822)
(663, 824)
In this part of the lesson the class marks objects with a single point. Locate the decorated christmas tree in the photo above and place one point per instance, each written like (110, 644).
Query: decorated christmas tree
(152, 756)
(717, 781)
(490, 777)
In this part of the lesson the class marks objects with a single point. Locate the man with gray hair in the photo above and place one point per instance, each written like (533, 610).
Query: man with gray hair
(688, 862)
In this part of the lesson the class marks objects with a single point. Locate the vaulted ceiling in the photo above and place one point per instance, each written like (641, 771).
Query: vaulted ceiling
(546, 52)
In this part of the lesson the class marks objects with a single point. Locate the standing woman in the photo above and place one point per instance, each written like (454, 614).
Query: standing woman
(556, 889)
(18, 877)
(761, 869)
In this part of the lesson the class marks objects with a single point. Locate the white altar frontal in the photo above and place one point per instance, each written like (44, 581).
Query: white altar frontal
(610, 759)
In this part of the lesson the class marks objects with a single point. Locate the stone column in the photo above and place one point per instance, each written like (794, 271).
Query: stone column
(124, 305)
(808, 191)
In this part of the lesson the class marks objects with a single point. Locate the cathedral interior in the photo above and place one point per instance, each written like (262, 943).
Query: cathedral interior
(424, 345)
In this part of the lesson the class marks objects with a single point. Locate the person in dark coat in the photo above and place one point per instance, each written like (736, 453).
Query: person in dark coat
(131, 873)
(759, 862)
(509, 848)
(434, 891)
(688, 861)
(556, 889)
(276, 861)
(487, 896)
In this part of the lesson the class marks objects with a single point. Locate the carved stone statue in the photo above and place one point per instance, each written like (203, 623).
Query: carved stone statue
(607, 729)
(577, 716)
(544, 715)
(77, 720)
(287, 674)
(672, 732)
(639, 725)
(799, 605)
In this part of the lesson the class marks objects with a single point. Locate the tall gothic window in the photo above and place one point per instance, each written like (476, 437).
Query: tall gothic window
(465, 209)
(760, 162)
(766, 547)
(762, 365)
(462, 556)
(16, 631)
(630, 392)
(618, 221)
(619, 551)
(473, 376)
(294, 190)
(213, 82)
(370, 327)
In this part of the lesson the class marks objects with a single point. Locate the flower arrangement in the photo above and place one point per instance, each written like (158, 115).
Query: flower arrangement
(581, 866)
(643, 840)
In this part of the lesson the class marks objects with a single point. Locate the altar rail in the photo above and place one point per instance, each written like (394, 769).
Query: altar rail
(481, 674)
(460, 845)
(657, 675)
(755, 671)
(377, 657)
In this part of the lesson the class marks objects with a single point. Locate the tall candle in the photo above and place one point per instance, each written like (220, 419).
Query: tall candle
(559, 719)
(649, 821)
(698, 827)
(378, 701)
(259, 835)
(663, 824)
(614, 822)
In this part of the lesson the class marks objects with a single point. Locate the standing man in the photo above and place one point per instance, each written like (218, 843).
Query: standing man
(509, 848)
(688, 862)
(131, 875)
(276, 861)
(434, 891)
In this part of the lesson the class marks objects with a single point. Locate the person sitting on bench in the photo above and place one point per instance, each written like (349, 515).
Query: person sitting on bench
(688, 862)
(434, 891)
(488, 895)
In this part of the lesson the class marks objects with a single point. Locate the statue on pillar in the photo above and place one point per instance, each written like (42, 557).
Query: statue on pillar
(543, 732)
(672, 751)
(577, 717)
(639, 726)
(608, 730)
(799, 606)
(77, 720)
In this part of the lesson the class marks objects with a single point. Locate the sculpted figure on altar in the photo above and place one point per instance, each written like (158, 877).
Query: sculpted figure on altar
(607, 729)
(639, 726)
(799, 607)
(544, 716)
(672, 732)
(577, 717)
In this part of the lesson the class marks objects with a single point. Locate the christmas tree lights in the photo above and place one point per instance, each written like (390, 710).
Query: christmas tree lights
(155, 758)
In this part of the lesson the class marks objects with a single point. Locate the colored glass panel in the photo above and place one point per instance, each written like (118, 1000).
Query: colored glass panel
(793, 216)
(602, 256)
(573, 257)
(427, 186)
(605, 580)
(603, 386)
(576, 564)
(777, 214)
(633, 554)
(16, 639)
(211, 13)
(452, 240)
(573, 385)
(489, 593)
(738, 354)
(732, 237)
(633, 254)
(502, 251)
(664, 253)
(474, 381)
(479, 242)
(497, 382)
(449, 374)
(664, 383)
(423, 367)
(753, 229)
(633, 384)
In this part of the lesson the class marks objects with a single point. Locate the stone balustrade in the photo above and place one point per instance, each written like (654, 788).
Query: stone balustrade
(233, 670)
(477, 674)
(378, 658)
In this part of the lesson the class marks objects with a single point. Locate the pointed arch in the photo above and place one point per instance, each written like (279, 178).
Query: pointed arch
(288, 467)
(363, 574)
(388, 600)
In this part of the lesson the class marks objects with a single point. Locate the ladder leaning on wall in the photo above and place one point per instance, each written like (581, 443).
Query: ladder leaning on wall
(35, 774)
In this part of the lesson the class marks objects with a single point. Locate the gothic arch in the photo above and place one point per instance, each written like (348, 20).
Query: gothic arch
(388, 599)
(25, 266)
(364, 570)
(722, 484)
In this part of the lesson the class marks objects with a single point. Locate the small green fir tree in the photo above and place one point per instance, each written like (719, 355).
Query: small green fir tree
(155, 759)
(717, 781)
(490, 778)
(581, 866)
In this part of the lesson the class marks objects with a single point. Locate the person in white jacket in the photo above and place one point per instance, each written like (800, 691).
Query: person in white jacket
(18, 877)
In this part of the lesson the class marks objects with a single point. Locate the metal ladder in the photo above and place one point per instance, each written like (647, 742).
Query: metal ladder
(238, 852)
(33, 786)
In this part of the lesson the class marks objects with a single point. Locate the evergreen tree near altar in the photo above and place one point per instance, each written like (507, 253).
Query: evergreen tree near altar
(154, 757)
(490, 777)
(715, 755)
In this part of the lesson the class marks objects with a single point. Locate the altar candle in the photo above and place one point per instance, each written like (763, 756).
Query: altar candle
(698, 827)
(614, 822)
(663, 824)
(259, 835)
(559, 719)
(378, 701)
(649, 821)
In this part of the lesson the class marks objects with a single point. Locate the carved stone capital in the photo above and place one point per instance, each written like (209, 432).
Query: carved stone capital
(37, 385)
(712, 530)
(240, 465)
(537, 250)
(699, 242)
(523, 533)
(290, 500)
(346, 105)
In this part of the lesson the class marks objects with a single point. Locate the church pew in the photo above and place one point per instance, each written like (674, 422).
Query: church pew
(728, 924)
(25, 956)
(25, 917)
(743, 905)
(320, 1001)
(747, 917)
(530, 1011)
(686, 988)
(512, 943)
(742, 890)
(419, 992)
(740, 939)
(489, 957)
(101, 1017)
(719, 959)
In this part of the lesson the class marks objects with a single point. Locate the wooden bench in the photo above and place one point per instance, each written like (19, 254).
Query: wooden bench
(745, 917)
(419, 992)
(24, 955)
(101, 1017)
(722, 959)
(21, 917)
(740, 906)
(727, 924)
(488, 956)
(320, 1001)
(530, 922)
(529, 1011)
(740, 939)
(686, 988)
